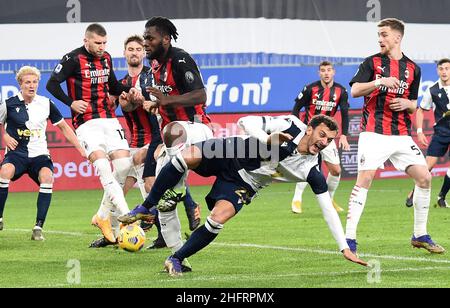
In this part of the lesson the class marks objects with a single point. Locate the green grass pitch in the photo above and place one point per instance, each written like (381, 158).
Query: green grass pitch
(265, 245)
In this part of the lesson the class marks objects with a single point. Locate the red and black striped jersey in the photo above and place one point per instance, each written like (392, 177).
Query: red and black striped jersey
(90, 79)
(377, 116)
(178, 75)
(317, 99)
(144, 126)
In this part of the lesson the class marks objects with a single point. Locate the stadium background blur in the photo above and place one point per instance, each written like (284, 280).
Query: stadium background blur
(255, 56)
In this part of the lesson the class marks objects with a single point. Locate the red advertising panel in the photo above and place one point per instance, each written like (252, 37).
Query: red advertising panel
(72, 172)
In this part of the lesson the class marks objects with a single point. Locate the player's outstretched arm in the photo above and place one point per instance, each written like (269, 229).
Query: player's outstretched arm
(352, 257)
(71, 137)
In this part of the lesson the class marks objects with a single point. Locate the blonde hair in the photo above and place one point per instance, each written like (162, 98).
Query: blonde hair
(27, 70)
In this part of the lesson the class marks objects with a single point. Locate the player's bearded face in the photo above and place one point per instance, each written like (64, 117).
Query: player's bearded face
(156, 52)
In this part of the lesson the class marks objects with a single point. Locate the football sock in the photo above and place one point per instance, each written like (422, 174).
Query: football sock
(299, 188)
(166, 179)
(188, 201)
(355, 208)
(445, 186)
(333, 183)
(199, 239)
(171, 229)
(110, 185)
(43, 203)
(421, 201)
(4, 186)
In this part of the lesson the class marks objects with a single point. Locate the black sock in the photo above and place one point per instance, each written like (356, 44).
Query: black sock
(3, 196)
(198, 240)
(188, 201)
(166, 179)
(445, 187)
(43, 203)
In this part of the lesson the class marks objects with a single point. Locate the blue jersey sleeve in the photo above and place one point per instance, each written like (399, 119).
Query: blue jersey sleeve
(54, 114)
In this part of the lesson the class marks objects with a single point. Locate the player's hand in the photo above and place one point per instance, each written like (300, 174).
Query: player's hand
(150, 106)
(10, 142)
(353, 258)
(400, 104)
(135, 96)
(343, 143)
(278, 138)
(79, 106)
(390, 82)
(158, 96)
(422, 139)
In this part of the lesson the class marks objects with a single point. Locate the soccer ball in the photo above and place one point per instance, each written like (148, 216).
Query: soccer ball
(131, 238)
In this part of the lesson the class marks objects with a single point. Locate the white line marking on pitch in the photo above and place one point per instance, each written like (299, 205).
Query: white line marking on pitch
(305, 250)
(332, 252)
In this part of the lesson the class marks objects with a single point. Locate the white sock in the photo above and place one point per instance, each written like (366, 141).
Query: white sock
(105, 207)
(140, 180)
(333, 183)
(421, 201)
(110, 185)
(355, 208)
(332, 219)
(171, 229)
(299, 188)
(115, 224)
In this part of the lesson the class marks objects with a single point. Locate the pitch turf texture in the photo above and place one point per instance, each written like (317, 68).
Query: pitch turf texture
(265, 245)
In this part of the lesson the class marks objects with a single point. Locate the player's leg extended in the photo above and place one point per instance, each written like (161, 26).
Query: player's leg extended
(113, 192)
(6, 174)
(169, 177)
(422, 192)
(202, 237)
(444, 190)
(431, 161)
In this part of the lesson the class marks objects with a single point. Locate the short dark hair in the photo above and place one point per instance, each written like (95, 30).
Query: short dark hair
(328, 121)
(97, 29)
(134, 38)
(442, 61)
(163, 25)
(394, 24)
(325, 63)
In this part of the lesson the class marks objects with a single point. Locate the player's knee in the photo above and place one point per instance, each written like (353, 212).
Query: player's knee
(45, 176)
(122, 165)
(7, 171)
(424, 181)
(192, 156)
(212, 225)
(174, 134)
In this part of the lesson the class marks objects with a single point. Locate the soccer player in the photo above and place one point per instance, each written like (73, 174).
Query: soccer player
(143, 126)
(25, 119)
(90, 78)
(437, 98)
(324, 97)
(180, 96)
(243, 165)
(389, 82)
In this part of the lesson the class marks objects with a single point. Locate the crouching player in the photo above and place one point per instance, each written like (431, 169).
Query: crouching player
(243, 165)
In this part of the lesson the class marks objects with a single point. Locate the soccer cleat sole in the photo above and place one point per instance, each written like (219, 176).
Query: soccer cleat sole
(169, 268)
(127, 219)
(437, 249)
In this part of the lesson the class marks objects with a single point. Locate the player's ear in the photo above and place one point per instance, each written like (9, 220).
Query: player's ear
(309, 130)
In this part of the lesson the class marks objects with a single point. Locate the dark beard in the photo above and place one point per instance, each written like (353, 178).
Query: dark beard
(157, 53)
